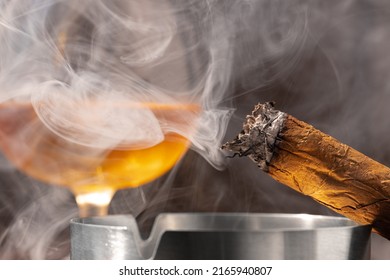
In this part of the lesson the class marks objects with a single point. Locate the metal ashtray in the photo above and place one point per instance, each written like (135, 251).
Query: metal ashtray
(221, 236)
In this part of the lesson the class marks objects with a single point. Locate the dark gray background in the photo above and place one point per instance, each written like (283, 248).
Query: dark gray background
(324, 62)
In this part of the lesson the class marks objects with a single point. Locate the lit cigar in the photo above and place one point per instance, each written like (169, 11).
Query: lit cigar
(315, 164)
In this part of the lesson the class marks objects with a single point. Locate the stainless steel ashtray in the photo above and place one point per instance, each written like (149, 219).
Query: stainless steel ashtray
(221, 236)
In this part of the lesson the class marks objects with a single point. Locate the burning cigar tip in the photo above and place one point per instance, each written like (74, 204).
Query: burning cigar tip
(259, 135)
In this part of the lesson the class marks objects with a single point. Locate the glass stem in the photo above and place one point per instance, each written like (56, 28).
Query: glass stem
(94, 203)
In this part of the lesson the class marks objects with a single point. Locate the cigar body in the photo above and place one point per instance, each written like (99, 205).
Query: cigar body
(316, 164)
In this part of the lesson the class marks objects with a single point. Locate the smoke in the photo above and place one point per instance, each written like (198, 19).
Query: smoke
(82, 71)
(76, 62)
(74, 68)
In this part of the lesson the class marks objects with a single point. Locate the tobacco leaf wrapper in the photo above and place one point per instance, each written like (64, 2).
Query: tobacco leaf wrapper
(315, 164)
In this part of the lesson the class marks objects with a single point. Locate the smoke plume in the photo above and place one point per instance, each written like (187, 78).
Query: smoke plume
(78, 66)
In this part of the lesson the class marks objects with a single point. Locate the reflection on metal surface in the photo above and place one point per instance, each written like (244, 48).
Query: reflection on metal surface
(221, 236)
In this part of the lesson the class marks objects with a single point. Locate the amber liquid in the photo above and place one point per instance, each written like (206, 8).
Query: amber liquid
(43, 155)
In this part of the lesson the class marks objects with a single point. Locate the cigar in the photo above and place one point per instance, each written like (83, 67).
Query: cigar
(315, 164)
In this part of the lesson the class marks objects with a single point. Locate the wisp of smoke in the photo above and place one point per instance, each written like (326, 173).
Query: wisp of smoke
(81, 68)
(61, 56)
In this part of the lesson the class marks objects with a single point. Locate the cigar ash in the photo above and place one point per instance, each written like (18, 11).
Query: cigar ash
(259, 136)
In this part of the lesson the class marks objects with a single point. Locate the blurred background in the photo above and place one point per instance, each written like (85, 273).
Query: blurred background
(324, 62)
